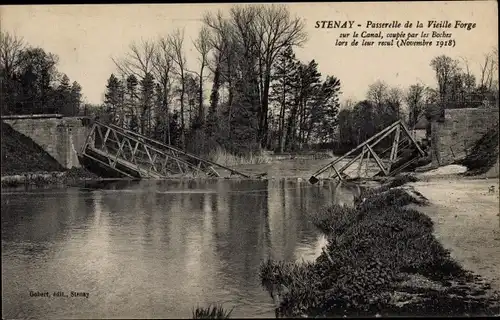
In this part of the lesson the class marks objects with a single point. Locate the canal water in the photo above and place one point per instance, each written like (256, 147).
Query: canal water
(152, 249)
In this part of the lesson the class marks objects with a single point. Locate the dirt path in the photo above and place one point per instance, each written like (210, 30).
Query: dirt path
(466, 220)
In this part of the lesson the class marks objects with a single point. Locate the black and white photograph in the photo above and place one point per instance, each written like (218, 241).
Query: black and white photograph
(250, 160)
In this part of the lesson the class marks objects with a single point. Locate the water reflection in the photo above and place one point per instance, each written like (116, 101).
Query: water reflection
(153, 249)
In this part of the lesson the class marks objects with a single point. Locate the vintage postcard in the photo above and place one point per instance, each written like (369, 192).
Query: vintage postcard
(227, 160)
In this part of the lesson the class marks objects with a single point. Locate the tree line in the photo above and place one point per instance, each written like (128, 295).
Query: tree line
(31, 83)
(261, 96)
(248, 91)
(456, 87)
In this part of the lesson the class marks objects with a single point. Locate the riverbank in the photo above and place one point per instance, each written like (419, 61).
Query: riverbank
(465, 213)
(67, 177)
(385, 256)
(26, 163)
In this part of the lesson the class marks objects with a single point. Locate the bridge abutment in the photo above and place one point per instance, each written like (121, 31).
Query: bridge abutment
(61, 137)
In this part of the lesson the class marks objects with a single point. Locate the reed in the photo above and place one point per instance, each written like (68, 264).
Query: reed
(225, 158)
(215, 311)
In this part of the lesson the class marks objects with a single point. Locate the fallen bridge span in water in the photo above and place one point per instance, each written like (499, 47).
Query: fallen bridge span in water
(127, 153)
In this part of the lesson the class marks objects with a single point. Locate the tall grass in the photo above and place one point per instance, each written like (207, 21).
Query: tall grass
(225, 158)
(211, 312)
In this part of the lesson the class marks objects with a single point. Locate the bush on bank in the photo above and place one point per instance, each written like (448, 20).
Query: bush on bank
(373, 248)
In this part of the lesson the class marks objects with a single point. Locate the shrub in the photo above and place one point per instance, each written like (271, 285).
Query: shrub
(379, 199)
(401, 180)
(334, 219)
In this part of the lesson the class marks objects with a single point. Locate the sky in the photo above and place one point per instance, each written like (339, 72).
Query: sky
(86, 37)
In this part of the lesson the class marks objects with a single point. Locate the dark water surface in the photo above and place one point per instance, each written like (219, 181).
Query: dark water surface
(152, 249)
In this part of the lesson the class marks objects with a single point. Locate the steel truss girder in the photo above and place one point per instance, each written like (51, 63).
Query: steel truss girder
(148, 157)
(366, 149)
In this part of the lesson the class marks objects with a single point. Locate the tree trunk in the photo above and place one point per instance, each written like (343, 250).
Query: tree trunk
(265, 108)
(183, 89)
(166, 136)
(282, 132)
(230, 82)
(214, 96)
(201, 111)
(291, 127)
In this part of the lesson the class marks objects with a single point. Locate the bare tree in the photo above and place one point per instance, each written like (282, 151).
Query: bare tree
(139, 61)
(348, 104)
(276, 30)
(415, 99)
(469, 82)
(431, 96)
(446, 68)
(489, 68)
(246, 46)
(176, 41)
(224, 45)
(378, 93)
(10, 52)
(243, 20)
(203, 45)
(217, 25)
(163, 68)
(394, 100)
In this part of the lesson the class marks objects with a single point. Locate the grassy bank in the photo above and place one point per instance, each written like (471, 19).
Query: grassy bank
(484, 154)
(381, 258)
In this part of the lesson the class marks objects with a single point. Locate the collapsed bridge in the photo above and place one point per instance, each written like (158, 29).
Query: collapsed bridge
(126, 153)
(403, 151)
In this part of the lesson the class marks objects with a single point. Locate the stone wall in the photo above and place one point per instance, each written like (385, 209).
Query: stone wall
(452, 139)
(61, 137)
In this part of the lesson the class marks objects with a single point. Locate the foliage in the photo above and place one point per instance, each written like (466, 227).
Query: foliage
(113, 97)
(304, 108)
(386, 195)
(400, 180)
(237, 50)
(281, 93)
(458, 88)
(261, 96)
(333, 219)
(31, 83)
